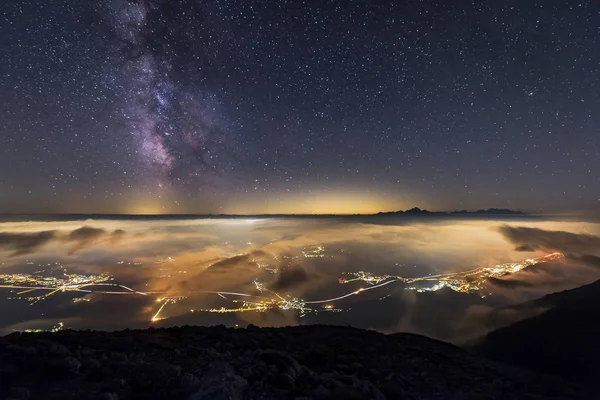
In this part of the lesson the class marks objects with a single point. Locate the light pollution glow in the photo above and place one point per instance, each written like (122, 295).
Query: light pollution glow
(233, 266)
(467, 281)
(322, 201)
(310, 201)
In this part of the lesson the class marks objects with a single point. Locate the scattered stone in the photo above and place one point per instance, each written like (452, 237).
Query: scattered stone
(25, 350)
(220, 382)
(6, 368)
(321, 392)
(87, 352)
(109, 396)
(72, 364)
(91, 364)
(356, 366)
(121, 357)
(189, 380)
(347, 393)
(285, 381)
(57, 349)
(19, 392)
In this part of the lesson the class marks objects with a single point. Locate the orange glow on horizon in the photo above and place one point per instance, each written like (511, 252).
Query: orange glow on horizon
(340, 201)
(322, 202)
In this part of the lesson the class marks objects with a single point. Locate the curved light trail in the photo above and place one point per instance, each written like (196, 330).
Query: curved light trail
(465, 281)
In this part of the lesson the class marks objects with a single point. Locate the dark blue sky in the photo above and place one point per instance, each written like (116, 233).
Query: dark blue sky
(299, 106)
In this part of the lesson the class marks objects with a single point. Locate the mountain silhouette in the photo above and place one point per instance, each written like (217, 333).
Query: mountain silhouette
(562, 340)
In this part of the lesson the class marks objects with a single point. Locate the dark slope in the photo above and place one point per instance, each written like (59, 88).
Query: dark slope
(308, 362)
(564, 340)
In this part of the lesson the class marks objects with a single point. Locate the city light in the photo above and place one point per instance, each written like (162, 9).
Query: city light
(37, 287)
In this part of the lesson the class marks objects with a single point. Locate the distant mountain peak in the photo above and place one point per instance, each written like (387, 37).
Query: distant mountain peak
(418, 211)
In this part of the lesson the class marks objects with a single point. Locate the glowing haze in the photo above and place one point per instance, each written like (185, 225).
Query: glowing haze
(441, 278)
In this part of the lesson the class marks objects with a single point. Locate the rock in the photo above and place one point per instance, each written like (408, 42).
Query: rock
(174, 370)
(220, 382)
(320, 392)
(347, 393)
(25, 350)
(188, 381)
(72, 364)
(285, 381)
(109, 396)
(369, 390)
(57, 349)
(343, 368)
(356, 366)
(120, 357)
(283, 361)
(7, 368)
(391, 391)
(347, 379)
(396, 380)
(87, 352)
(211, 352)
(91, 364)
(329, 380)
(61, 368)
(246, 372)
(307, 372)
(19, 392)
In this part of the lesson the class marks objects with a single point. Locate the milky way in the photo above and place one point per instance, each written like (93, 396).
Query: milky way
(174, 129)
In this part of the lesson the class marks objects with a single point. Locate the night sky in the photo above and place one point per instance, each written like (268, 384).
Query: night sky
(258, 106)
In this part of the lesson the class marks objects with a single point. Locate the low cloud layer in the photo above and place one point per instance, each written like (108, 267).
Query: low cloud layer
(25, 243)
(531, 239)
(191, 260)
(22, 243)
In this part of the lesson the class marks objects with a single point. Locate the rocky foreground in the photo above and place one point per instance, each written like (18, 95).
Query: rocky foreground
(312, 362)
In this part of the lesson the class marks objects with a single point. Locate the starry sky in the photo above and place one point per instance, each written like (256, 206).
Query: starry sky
(260, 106)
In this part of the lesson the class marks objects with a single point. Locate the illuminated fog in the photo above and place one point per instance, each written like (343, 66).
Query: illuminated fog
(375, 273)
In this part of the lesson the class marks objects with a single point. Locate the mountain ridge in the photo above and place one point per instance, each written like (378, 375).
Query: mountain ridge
(562, 340)
(415, 211)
